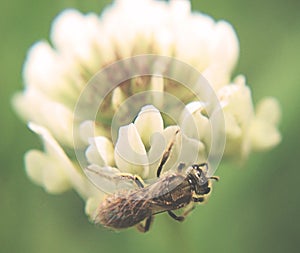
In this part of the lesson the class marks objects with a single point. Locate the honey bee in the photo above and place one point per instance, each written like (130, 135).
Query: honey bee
(172, 191)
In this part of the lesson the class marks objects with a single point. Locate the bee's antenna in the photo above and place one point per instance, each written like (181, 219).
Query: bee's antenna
(166, 154)
(215, 178)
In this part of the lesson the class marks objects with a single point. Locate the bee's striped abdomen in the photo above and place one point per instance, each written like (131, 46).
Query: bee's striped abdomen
(122, 210)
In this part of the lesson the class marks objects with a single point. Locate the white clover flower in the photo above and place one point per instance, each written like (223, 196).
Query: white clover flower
(84, 43)
(139, 147)
(57, 72)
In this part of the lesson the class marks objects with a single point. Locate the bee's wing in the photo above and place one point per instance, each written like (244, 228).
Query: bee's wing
(166, 184)
(107, 178)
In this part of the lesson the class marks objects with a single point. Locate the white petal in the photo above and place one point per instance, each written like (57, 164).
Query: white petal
(35, 160)
(132, 35)
(194, 122)
(157, 86)
(38, 108)
(53, 169)
(46, 172)
(80, 37)
(223, 53)
(180, 8)
(46, 71)
(237, 105)
(268, 109)
(159, 144)
(236, 100)
(89, 129)
(225, 47)
(263, 135)
(233, 129)
(130, 152)
(148, 122)
(263, 131)
(118, 98)
(195, 50)
(192, 151)
(216, 76)
(108, 179)
(91, 206)
(69, 33)
(100, 152)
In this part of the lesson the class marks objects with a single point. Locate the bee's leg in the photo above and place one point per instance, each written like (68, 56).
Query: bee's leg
(144, 228)
(139, 182)
(187, 211)
(198, 199)
(166, 155)
(175, 217)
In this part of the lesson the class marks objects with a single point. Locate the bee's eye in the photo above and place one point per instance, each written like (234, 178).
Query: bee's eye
(195, 166)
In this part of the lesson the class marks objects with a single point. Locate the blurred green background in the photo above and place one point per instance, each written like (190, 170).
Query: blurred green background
(253, 209)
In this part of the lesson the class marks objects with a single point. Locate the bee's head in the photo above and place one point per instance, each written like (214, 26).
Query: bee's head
(198, 180)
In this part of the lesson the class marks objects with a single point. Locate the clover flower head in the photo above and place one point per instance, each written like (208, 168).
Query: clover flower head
(57, 73)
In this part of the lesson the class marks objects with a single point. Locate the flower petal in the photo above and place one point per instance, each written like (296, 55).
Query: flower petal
(43, 68)
(195, 122)
(192, 151)
(91, 206)
(100, 151)
(225, 46)
(157, 86)
(38, 108)
(118, 98)
(238, 111)
(159, 144)
(78, 36)
(53, 169)
(148, 122)
(46, 172)
(263, 131)
(195, 50)
(88, 129)
(263, 135)
(130, 152)
(35, 160)
(269, 110)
